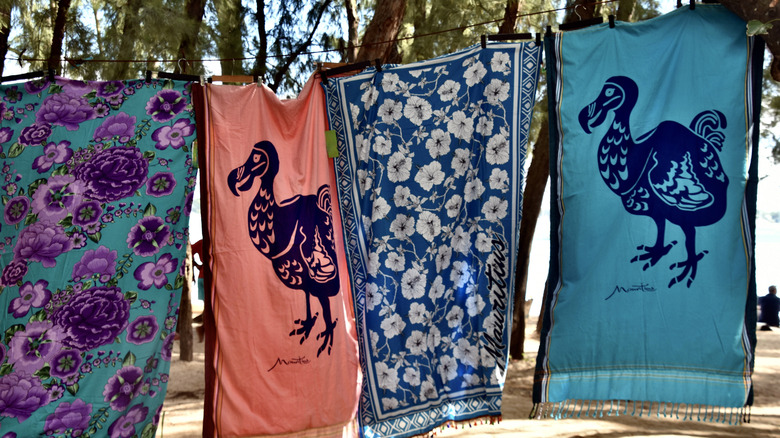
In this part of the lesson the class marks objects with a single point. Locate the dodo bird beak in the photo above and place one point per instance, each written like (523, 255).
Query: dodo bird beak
(238, 180)
(586, 117)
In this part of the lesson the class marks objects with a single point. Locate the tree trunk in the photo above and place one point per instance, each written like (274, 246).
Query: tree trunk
(381, 32)
(184, 327)
(189, 41)
(130, 28)
(625, 10)
(763, 11)
(58, 33)
(536, 181)
(352, 30)
(510, 16)
(262, 52)
(5, 30)
(230, 44)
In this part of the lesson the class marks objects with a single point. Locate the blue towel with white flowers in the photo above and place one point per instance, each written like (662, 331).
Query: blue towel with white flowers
(430, 178)
(651, 293)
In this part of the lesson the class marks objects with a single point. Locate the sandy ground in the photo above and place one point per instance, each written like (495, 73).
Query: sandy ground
(183, 411)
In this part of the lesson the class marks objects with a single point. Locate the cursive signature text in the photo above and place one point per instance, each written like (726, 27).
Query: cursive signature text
(641, 287)
(301, 360)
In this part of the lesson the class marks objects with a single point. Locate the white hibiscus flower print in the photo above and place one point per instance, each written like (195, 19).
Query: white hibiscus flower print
(461, 161)
(438, 144)
(429, 175)
(387, 377)
(417, 110)
(485, 358)
(373, 296)
(390, 111)
(379, 209)
(395, 261)
(428, 225)
(354, 110)
(412, 376)
(484, 125)
(373, 264)
(460, 273)
(474, 305)
(365, 181)
(428, 390)
(369, 97)
(474, 73)
(495, 209)
(461, 126)
(390, 82)
(497, 149)
(500, 62)
(443, 257)
(418, 314)
(448, 368)
(490, 324)
(401, 196)
(389, 403)
(399, 167)
(416, 343)
(382, 146)
(374, 339)
(434, 338)
(393, 325)
(413, 284)
(402, 226)
(497, 91)
(461, 240)
(483, 243)
(453, 205)
(363, 147)
(449, 90)
(454, 317)
(473, 190)
(465, 352)
(499, 180)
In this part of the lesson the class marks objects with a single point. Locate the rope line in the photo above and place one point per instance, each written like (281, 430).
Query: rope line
(312, 52)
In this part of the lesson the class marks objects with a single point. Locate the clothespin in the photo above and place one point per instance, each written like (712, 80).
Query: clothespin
(483, 41)
(693, 4)
(378, 64)
(612, 21)
(51, 75)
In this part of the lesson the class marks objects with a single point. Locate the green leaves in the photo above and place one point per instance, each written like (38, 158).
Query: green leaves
(755, 27)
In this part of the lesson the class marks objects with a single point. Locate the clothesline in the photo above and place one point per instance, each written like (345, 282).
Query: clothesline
(77, 62)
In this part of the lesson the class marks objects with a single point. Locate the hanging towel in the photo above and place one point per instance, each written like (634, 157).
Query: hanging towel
(283, 357)
(97, 181)
(430, 172)
(651, 294)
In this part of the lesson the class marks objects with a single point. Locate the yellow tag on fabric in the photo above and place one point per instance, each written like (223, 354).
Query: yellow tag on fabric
(331, 143)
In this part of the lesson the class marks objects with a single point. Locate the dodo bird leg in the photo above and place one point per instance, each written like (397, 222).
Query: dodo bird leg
(654, 253)
(690, 265)
(306, 324)
(327, 334)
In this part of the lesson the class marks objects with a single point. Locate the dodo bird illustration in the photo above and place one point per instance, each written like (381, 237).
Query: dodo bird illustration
(672, 173)
(296, 235)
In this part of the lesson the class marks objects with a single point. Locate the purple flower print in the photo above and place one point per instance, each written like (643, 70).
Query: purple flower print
(101, 261)
(87, 213)
(75, 89)
(64, 110)
(155, 273)
(16, 209)
(113, 173)
(165, 105)
(188, 203)
(53, 153)
(6, 134)
(56, 198)
(69, 416)
(148, 236)
(124, 426)
(13, 272)
(174, 214)
(36, 86)
(142, 330)
(12, 94)
(65, 363)
(42, 242)
(35, 134)
(93, 317)
(167, 347)
(109, 88)
(31, 348)
(161, 184)
(101, 110)
(121, 125)
(173, 136)
(30, 295)
(123, 386)
(21, 394)
(79, 240)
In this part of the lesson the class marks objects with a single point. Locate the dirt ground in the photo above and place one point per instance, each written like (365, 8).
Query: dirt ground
(183, 410)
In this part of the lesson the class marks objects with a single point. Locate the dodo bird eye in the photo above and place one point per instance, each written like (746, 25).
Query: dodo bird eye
(256, 158)
(610, 92)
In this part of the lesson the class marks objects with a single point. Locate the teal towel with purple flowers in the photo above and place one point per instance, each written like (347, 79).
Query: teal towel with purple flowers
(96, 183)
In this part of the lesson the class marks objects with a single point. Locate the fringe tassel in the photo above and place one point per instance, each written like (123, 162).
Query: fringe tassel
(462, 424)
(573, 408)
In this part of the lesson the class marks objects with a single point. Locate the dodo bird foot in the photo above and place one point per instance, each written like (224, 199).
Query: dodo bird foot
(652, 254)
(688, 267)
(327, 337)
(305, 328)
